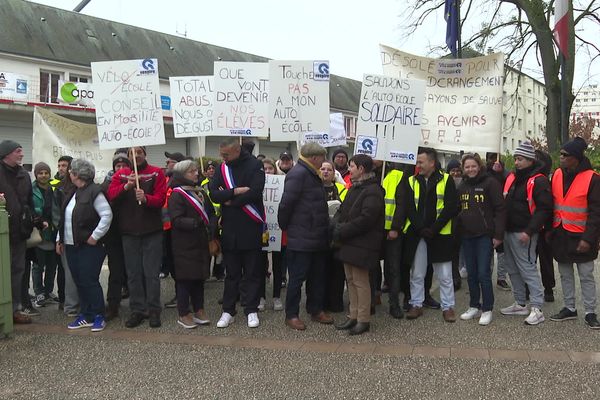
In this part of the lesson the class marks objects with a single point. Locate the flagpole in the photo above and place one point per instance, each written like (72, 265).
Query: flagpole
(564, 118)
(458, 39)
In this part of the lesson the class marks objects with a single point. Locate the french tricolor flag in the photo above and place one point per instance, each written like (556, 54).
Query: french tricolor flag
(561, 28)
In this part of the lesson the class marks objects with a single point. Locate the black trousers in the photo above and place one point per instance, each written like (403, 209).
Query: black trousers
(397, 277)
(244, 271)
(335, 279)
(186, 290)
(116, 268)
(277, 258)
(29, 259)
(546, 263)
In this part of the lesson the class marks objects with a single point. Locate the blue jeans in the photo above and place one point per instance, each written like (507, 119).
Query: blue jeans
(478, 254)
(85, 263)
(310, 267)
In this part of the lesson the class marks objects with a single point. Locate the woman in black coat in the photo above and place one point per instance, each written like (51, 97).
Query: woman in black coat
(360, 232)
(193, 227)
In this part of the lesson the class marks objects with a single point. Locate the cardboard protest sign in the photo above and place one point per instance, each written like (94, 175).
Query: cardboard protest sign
(80, 93)
(14, 86)
(241, 99)
(192, 105)
(389, 118)
(335, 137)
(128, 103)
(271, 198)
(55, 136)
(463, 98)
(299, 99)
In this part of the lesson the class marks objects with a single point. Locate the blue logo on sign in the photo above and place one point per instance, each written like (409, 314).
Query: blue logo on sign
(325, 136)
(411, 156)
(248, 132)
(21, 86)
(148, 64)
(367, 144)
(323, 68)
(165, 102)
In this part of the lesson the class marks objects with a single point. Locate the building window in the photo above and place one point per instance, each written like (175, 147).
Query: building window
(49, 86)
(350, 126)
(529, 91)
(79, 78)
(512, 144)
(520, 123)
(529, 132)
(528, 111)
(504, 143)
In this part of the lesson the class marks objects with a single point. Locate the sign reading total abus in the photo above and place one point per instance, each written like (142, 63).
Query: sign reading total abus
(76, 93)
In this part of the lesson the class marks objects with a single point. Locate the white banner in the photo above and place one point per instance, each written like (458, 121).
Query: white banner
(335, 137)
(128, 104)
(463, 98)
(299, 99)
(241, 102)
(14, 86)
(76, 93)
(192, 105)
(55, 136)
(389, 118)
(271, 198)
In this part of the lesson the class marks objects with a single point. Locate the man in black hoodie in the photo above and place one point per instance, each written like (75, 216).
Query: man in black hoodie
(576, 229)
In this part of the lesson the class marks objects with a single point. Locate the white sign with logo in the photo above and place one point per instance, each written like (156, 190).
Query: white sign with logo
(14, 86)
(192, 105)
(299, 99)
(335, 137)
(55, 136)
(128, 103)
(76, 93)
(271, 198)
(463, 98)
(389, 118)
(241, 100)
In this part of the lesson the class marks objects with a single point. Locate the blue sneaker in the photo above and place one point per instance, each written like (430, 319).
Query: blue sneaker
(99, 323)
(79, 323)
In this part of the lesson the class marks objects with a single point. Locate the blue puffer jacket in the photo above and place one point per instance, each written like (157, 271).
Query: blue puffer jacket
(303, 209)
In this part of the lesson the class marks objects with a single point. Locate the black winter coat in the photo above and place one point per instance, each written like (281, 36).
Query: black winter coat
(564, 243)
(303, 211)
(361, 224)
(440, 248)
(16, 186)
(190, 235)
(519, 218)
(240, 232)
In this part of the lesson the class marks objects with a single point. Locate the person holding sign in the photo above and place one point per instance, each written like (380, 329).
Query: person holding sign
(238, 186)
(303, 213)
(428, 231)
(139, 216)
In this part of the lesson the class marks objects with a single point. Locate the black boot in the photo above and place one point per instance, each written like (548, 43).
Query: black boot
(111, 312)
(135, 319)
(154, 319)
(396, 312)
(347, 324)
(359, 328)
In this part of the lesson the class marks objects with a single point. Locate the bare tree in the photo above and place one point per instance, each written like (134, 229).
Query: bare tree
(522, 29)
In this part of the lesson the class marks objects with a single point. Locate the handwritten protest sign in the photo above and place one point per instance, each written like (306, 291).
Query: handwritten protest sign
(55, 136)
(299, 98)
(463, 98)
(271, 198)
(389, 118)
(192, 105)
(128, 104)
(335, 137)
(241, 102)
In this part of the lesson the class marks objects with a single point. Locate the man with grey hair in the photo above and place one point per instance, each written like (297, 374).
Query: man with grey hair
(303, 213)
(238, 186)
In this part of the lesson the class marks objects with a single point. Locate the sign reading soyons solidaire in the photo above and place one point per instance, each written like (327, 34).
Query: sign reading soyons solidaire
(241, 99)
(389, 118)
(299, 99)
(128, 104)
(192, 105)
(463, 98)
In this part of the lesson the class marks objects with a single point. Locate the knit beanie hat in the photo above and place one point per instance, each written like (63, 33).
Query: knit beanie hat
(526, 150)
(120, 158)
(7, 147)
(338, 151)
(454, 163)
(575, 147)
(39, 167)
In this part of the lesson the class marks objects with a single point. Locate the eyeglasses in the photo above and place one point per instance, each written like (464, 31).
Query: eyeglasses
(564, 154)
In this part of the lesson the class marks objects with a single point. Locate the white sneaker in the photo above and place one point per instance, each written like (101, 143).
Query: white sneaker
(253, 321)
(471, 313)
(463, 273)
(535, 317)
(225, 320)
(261, 304)
(486, 318)
(277, 304)
(515, 309)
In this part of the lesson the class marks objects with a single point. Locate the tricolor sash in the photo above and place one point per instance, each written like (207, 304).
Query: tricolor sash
(198, 206)
(248, 208)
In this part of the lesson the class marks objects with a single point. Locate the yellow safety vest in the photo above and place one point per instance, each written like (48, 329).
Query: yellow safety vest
(216, 206)
(342, 191)
(440, 189)
(390, 184)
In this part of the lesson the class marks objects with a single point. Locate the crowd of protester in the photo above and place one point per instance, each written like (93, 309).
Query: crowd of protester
(342, 220)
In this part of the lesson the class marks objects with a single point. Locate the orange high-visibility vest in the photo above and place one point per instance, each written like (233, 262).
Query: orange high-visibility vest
(510, 179)
(571, 210)
(166, 218)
